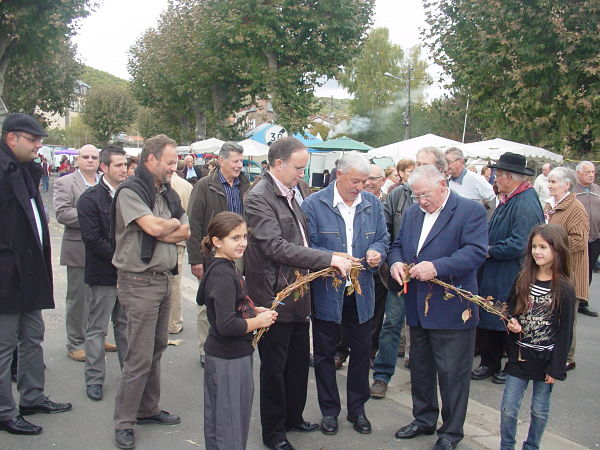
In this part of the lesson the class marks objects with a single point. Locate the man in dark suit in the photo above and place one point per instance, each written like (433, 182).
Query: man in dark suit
(191, 172)
(445, 236)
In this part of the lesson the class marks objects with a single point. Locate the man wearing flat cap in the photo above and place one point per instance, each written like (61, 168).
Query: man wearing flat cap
(518, 212)
(25, 275)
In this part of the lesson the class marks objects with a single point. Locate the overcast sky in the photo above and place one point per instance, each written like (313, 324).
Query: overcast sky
(107, 34)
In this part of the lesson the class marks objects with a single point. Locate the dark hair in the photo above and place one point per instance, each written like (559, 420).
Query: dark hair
(220, 226)
(108, 151)
(283, 148)
(155, 146)
(558, 240)
(132, 160)
(229, 147)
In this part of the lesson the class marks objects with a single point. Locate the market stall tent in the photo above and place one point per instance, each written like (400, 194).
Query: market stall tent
(493, 148)
(408, 149)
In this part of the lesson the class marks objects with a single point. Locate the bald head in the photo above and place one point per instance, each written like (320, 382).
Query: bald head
(546, 169)
(88, 159)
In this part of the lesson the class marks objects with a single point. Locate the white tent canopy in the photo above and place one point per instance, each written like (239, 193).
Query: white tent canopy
(408, 149)
(212, 145)
(493, 148)
(254, 148)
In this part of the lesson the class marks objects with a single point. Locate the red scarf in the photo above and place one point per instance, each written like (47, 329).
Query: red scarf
(522, 188)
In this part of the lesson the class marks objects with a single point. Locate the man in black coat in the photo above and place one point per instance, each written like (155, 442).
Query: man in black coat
(93, 210)
(25, 275)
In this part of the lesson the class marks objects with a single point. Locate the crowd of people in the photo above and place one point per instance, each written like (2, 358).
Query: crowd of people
(127, 224)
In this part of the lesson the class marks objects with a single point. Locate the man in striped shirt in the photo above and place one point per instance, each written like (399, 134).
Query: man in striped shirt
(222, 190)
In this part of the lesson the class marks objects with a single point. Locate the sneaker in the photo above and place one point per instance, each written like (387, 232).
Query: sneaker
(77, 355)
(378, 389)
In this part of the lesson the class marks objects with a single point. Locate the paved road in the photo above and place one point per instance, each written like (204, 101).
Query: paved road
(573, 423)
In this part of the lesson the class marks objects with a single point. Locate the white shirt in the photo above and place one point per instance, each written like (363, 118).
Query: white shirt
(348, 213)
(87, 185)
(472, 186)
(429, 222)
(38, 221)
(541, 187)
(111, 189)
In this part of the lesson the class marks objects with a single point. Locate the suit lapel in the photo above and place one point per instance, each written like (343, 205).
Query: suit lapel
(442, 220)
(416, 232)
(21, 192)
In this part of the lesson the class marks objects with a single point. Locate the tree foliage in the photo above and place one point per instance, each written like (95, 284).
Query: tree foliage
(94, 77)
(46, 83)
(208, 58)
(108, 110)
(29, 29)
(531, 69)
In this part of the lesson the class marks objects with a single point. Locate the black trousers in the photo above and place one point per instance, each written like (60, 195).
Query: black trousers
(446, 355)
(593, 252)
(492, 348)
(380, 301)
(325, 339)
(284, 362)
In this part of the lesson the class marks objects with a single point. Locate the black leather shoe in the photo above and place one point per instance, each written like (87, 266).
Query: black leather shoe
(125, 438)
(47, 407)
(162, 418)
(329, 425)
(18, 425)
(282, 445)
(94, 392)
(361, 423)
(412, 430)
(444, 444)
(571, 366)
(481, 373)
(499, 377)
(305, 427)
(585, 309)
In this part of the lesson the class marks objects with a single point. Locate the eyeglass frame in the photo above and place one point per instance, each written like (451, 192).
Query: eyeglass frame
(32, 140)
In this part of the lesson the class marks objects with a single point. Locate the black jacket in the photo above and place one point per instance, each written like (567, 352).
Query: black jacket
(25, 264)
(93, 210)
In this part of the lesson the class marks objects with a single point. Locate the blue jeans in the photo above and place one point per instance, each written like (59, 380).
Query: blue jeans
(389, 338)
(511, 402)
(45, 183)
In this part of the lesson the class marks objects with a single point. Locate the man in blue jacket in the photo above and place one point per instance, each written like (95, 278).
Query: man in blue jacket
(442, 236)
(344, 219)
(93, 209)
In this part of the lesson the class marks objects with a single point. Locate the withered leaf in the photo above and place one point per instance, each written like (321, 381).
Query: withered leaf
(448, 295)
(466, 315)
(427, 302)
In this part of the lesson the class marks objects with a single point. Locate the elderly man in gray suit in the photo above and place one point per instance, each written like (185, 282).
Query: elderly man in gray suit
(67, 190)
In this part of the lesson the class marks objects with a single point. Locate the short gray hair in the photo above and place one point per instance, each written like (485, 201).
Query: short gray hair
(426, 172)
(354, 160)
(440, 160)
(457, 152)
(579, 167)
(229, 147)
(564, 175)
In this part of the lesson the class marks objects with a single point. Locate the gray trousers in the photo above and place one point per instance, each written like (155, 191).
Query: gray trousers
(103, 304)
(203, 326)
(145, 298)
(175, 318)
(76, 306)
(27, 331)
(228, 393)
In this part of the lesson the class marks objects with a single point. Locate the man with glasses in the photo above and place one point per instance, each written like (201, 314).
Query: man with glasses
(444, 236)
(588, 193)
(465, 182)
(67, 190)
(25, 275)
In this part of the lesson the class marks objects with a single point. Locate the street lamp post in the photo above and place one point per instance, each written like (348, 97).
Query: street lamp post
(406, 114)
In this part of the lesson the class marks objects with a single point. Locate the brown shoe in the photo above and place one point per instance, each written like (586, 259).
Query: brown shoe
(77, 355)
(108, 347)
(378, 389)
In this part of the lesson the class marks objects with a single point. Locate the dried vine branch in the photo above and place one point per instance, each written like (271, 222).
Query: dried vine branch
(299, 287)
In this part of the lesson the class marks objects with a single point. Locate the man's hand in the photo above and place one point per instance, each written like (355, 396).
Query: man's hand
(514, 325)
(424, 271)
(347, 256)
(342, 264)
(397, 272)
(198, 270)
(373, 258)
(549, 379)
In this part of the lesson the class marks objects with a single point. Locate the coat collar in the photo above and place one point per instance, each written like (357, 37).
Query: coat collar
(445, 215)
(328, 195)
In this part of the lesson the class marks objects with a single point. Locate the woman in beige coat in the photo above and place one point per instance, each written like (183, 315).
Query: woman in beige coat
(564, 209)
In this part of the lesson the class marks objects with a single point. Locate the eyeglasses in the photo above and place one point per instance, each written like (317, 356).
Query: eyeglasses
(450, 161)
(32, 140)
(88, 157)
(416, 198)
(374, 178)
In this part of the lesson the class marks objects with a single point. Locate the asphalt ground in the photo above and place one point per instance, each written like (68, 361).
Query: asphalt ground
(573, 421)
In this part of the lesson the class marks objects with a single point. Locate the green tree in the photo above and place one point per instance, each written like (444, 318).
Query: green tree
(94, 77)
(531, 69)
(47, 83)
(108, 110)
(31, 28)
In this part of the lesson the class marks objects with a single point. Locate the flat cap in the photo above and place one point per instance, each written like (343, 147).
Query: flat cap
(23, 122)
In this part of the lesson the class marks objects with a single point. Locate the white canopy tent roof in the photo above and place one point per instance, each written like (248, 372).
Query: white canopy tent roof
(212, 145)
(493, 148)
(408, 149)
(254, 148)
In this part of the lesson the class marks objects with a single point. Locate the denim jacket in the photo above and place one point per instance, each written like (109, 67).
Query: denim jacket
(326, 231)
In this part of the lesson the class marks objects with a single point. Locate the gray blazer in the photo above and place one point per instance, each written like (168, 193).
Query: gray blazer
(67, 190)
